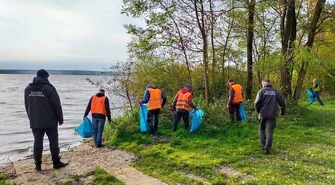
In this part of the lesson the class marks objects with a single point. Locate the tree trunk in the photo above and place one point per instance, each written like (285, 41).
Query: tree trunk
(230, 27)
(212, 43)
(288, 34)
(311, 37)
(201, 25)
(250, 36)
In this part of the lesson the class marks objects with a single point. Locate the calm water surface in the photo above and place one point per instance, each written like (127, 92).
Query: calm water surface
(16, 139)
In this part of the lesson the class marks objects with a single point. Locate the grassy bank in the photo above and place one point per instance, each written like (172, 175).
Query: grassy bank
(225, 153)
(3, 180)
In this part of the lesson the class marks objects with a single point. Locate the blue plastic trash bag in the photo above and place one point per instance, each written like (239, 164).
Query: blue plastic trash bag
(85, 129)
(143, 118)
(242, 112)
(310, 96)
(196, 116)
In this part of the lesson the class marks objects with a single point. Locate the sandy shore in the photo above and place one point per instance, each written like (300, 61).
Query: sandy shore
(82, 161)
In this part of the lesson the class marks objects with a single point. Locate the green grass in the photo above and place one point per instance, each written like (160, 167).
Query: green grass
(303, 148)
(3, 180)
(101, 177)
(69, 181)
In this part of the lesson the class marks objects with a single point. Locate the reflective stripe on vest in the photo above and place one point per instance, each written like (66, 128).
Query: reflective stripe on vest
(182, 101)
(238, 98)
(155, 101)
(98, 105)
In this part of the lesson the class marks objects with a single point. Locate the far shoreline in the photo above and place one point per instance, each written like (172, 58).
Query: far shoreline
(58, 72)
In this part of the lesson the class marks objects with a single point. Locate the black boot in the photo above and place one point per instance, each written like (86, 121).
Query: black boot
(60, 165)
(266, 151)
(38, 166)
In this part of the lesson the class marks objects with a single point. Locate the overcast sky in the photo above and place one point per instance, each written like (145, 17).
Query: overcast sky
(62, 34)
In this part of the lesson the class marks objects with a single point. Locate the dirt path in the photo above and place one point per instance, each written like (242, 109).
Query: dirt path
(82, 160)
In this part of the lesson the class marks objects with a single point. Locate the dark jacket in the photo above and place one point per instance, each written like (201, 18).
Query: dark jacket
(94, 115)
(190, 102)
(267, 100)
(42, 104)
(147, 97)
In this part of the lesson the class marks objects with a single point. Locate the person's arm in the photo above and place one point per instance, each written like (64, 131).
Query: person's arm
(55, 103)
(88, 108)
(26, 100)
(146, 97)
(231, 96)
(190, 102)
(281, 102)
(164, 99)
(175, 101)
(258, 102)
(108, 110)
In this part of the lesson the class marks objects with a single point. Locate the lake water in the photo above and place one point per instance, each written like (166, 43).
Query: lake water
(16, 139)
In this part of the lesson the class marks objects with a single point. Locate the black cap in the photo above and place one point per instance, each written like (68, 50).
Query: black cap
(188, 86)
(42, 73)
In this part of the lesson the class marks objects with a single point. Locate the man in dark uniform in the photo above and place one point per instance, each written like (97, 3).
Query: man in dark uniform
(266, 105)
(44, 111)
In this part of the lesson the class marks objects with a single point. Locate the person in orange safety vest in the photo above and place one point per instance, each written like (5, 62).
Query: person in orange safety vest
(235, 99)
(155, 100)
(99, 107)
(182, 104)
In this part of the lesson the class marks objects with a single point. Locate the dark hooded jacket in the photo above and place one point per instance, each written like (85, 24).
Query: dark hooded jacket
(42, 104)
(267, 101)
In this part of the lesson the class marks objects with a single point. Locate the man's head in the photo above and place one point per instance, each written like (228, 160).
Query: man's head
(230, 82)
(42, 73)
(315, 81)
(101, 91)
(149, 86)
(188, 86)
(265, 82)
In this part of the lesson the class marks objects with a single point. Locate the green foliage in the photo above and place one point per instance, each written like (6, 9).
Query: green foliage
(166, 75)
(70, 181)
(101, 177)
(3, 180)
(123, 125)
(300, 153)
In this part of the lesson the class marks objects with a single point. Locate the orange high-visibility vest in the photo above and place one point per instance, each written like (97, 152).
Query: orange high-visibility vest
(182, 101)
(98, 105)
(155, 101)
(238, 98)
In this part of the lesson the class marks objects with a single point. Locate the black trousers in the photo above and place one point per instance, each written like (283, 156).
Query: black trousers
(153, 114)
(234, 109)
(266, 129)
(52, 134)
(181, 114)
